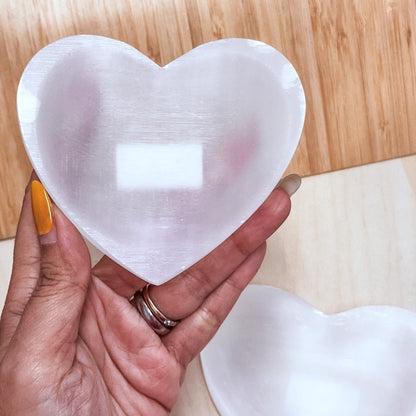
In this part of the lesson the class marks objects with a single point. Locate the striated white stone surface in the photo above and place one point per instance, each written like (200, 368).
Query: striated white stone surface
(276, 355)
(158, 165)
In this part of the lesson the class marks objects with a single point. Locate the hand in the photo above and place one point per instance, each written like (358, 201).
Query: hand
(72, 344)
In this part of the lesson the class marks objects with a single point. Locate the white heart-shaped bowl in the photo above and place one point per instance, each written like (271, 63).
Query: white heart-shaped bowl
(276, 355)
(156, 166)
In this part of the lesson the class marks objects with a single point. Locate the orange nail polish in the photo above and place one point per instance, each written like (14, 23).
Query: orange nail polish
(41, 208)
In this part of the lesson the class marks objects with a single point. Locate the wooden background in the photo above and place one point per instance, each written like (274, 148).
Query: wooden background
(356, 59)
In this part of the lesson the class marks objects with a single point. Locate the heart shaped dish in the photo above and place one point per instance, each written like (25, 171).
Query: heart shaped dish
(156, 166)
(276, 355)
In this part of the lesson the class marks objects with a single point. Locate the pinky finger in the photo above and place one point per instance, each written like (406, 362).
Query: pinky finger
(193, 333)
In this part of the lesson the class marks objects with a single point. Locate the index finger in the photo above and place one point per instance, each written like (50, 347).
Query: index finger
(25, 273)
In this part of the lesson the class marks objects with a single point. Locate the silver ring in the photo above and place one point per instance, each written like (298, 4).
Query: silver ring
(144, 310)
(167, 322)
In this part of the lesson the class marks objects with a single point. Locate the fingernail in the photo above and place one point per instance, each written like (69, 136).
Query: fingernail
(290, 183)
(42, 212)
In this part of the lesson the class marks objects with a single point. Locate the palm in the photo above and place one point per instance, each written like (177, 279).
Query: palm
(122, 365)
(72, 344)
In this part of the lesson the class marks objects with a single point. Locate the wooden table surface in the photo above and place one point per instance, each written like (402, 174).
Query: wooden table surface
(349, 241)
(356, 60)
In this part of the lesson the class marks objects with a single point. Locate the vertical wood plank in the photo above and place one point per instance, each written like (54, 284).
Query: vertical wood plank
(356, 59)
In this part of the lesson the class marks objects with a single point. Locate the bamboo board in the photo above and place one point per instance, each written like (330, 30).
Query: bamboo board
(356, 60)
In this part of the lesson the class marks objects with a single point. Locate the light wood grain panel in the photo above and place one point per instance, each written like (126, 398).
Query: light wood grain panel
(350, 241)
(356, 60)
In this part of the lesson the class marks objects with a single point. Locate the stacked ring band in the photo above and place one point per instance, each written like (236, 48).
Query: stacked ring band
(159, 322)
(168, 323)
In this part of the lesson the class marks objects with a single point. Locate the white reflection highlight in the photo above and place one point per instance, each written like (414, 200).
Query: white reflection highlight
(313, 396)
(159, 166)
(28, 105)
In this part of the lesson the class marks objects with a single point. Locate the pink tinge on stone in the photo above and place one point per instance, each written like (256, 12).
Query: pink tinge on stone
(156, 166)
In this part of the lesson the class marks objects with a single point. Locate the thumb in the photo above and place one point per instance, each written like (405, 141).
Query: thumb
(52, 315)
